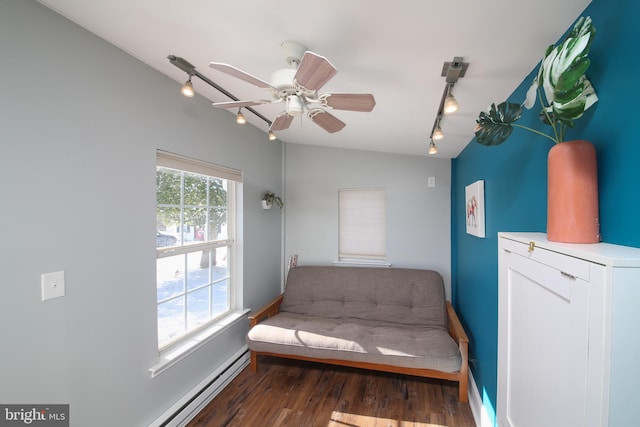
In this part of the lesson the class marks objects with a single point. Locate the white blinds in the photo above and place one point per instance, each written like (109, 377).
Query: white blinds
(176, 161)
(362, 223)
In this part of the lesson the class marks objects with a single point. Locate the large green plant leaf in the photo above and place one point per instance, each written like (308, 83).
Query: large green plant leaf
(571, 77)
(563, 74)
(565, 66)
(494, 126)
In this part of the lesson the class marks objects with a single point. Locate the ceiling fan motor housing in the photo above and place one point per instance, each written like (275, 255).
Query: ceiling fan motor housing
(283, 80)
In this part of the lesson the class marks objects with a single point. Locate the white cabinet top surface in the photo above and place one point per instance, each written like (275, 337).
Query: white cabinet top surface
(601, 253)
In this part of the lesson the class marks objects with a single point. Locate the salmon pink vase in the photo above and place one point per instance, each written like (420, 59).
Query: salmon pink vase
(572, 193)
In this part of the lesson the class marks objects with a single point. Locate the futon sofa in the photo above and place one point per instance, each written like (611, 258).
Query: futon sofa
(386, 319)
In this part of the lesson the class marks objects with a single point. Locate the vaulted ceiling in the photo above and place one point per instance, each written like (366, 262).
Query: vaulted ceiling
(394, 50)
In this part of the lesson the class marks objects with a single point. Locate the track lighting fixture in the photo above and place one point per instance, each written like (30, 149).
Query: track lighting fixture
(240, 117)
(452, 71)
(272, 136)
(187, 88)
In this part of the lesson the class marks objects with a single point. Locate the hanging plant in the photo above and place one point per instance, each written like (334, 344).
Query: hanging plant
(270, 199)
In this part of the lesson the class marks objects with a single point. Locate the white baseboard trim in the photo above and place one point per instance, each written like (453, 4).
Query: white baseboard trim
(185, 409)
(478, 410)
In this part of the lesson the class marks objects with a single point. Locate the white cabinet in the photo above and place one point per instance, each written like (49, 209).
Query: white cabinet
(568, 333)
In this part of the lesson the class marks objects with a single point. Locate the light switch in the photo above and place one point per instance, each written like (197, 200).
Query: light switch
(52, 285)
(431, 181)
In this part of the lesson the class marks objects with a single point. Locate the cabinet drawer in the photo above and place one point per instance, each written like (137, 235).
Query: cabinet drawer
(567, 265)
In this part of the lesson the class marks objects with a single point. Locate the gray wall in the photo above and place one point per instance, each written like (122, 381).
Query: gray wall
(418, 217)
(80, 123)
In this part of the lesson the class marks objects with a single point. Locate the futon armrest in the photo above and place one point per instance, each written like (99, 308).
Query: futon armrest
(457, 333)
(267, 311)
(455, 327)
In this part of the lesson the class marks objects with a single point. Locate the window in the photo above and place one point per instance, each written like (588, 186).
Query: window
(195, 217)
(362, 224)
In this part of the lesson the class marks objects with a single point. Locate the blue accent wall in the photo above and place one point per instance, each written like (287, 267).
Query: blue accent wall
(515, 180)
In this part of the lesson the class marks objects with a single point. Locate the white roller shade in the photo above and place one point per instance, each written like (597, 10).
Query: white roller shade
(362, 224)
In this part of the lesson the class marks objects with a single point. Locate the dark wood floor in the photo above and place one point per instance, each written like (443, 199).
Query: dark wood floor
(300, 394)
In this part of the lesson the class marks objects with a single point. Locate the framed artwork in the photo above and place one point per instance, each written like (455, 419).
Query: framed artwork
(474, 208)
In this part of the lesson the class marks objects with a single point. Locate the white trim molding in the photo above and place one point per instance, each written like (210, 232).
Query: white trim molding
(480, 415)
(170, 357)
(190, 405)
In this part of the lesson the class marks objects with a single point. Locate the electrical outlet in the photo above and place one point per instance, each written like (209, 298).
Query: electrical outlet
(52, 285)
(431, 181)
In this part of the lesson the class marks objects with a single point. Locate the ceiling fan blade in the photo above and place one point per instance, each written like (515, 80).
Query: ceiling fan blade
(349, 101)
(238, 73)
(314, 71)
(282, 122)
(326, 121)
(239, 104)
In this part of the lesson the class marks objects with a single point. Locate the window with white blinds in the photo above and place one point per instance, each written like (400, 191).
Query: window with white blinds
(362, 224)
(196, 215)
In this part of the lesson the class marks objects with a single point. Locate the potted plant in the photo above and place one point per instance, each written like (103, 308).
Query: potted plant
(565, 94)
(269, 199)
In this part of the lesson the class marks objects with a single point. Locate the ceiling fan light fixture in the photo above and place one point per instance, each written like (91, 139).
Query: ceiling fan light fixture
(294, 105)
(432, 148)
(240, 117)
(187, 88)
(272, 136)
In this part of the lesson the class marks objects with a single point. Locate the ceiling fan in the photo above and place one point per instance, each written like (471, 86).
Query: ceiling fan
(297, 87)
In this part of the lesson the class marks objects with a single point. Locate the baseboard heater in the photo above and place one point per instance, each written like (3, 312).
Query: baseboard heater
(193, 402)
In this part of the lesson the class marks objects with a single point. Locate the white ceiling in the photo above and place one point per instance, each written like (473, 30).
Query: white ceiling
(394, 50)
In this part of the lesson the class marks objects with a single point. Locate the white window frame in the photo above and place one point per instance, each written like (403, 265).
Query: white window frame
(177, 349)
(362, 226)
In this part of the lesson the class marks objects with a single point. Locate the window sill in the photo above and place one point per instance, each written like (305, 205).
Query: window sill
(170, 357)
(362, 263)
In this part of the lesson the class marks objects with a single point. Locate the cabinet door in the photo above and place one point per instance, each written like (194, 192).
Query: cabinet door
(543, 338)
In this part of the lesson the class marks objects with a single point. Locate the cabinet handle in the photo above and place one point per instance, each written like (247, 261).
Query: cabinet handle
(532, 246)
(570, 276)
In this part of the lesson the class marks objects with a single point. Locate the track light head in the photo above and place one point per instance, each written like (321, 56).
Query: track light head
(450, 104)
(432, 148)
(272, 136)
(187, 88)
(240, 117)
(437, 133)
